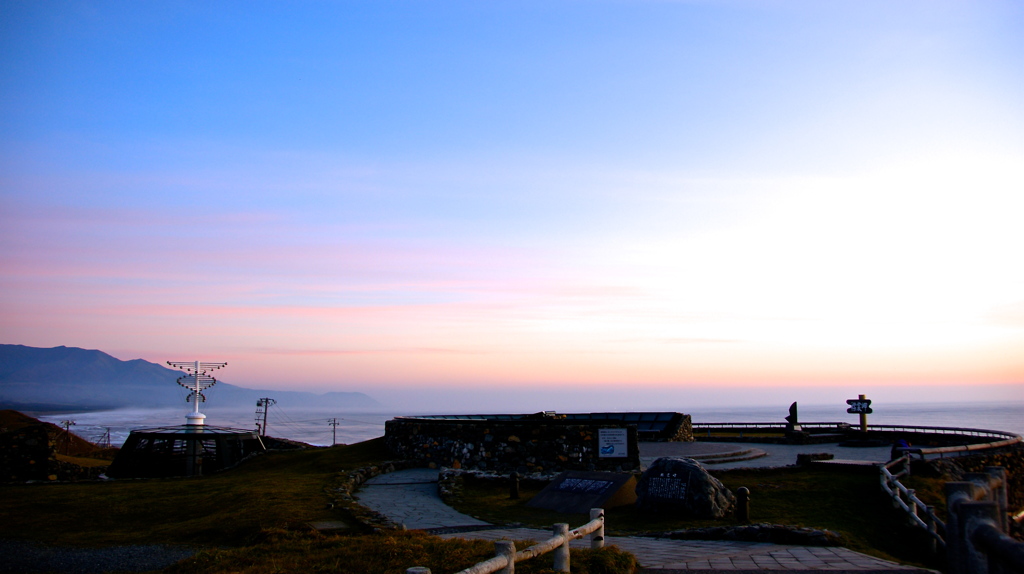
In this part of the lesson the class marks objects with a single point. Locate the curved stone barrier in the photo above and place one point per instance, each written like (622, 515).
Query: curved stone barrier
(971, 439)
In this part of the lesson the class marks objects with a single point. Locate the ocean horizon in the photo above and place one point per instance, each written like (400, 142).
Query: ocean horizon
(313, 426)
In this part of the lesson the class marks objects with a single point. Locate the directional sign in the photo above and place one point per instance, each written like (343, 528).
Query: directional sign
(859, 406)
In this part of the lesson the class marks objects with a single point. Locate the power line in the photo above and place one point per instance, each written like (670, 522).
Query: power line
(262, 406)
(334, 430)
(67, 424)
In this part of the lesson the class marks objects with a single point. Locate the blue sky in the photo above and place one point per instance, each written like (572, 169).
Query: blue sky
(414, 197)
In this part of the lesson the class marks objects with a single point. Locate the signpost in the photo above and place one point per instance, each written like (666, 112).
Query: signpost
(860, 406)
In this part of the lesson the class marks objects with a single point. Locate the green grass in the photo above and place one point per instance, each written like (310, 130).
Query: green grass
(851, 504)
(275, 491)
(387, 553)
(253, 518)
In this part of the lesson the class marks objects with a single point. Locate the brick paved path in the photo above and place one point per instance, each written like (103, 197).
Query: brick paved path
(410, 497)
(660, 554)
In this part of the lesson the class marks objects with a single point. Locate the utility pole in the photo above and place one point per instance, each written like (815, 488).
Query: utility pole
(67, 434)
(334, 431)
(105, 439)
(262, 406)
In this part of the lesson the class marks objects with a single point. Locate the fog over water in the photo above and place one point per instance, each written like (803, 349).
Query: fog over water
(313, 425)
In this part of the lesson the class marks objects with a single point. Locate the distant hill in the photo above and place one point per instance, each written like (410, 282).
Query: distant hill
(66, 442)
(73, 379)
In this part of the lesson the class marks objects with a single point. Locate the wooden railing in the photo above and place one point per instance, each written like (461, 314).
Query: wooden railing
(974, 536)
(977, 542)
(918, 513)
(505, 555)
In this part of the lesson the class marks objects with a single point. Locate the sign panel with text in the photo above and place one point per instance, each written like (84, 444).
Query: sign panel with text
(859, 406)
(612, 443)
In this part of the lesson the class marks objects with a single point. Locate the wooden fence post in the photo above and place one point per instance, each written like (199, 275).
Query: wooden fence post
(957, 494)
(933, 530)
(999, 494)
(562, 552)
(911, 495)
(971, 515)
(506, 548)
(597, 536)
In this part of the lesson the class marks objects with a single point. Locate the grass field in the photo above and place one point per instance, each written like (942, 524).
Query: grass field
(254, 518)
(851, 504)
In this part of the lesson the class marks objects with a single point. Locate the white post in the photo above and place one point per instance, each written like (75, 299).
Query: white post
(597, 536)
(562, 552)
(195, 418)
(506, 548)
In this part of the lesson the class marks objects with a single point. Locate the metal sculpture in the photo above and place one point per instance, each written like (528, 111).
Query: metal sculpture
(196, 380)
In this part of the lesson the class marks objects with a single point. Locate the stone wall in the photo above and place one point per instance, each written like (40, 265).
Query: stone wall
(27, 454)
(684, 432)
(528, 446)
(1012, 459)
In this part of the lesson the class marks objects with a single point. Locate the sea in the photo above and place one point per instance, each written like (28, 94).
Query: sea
(323, 427)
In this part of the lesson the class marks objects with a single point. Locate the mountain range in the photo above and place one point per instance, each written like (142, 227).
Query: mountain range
(73, 379)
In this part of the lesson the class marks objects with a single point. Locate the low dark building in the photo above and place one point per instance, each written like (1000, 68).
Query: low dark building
(540, 442)
(186, 450)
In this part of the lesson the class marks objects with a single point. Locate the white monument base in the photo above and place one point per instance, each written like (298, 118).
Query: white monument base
(198, 419)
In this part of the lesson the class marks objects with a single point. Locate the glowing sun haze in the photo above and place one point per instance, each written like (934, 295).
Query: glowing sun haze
(465, 202)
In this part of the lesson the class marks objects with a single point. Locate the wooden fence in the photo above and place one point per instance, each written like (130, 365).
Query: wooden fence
(918, 513)
(974, 535)
(505, 555)
(978, 521)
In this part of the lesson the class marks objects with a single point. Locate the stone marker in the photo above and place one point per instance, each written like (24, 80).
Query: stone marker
(681, 487)
(793, 419)
(577, 491)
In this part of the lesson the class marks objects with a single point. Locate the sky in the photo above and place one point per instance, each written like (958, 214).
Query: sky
(515, 205)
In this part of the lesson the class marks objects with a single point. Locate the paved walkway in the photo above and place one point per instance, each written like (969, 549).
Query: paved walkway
(410, 497)
(775, 454)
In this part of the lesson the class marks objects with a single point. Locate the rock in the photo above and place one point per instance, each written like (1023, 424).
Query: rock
(681, 487)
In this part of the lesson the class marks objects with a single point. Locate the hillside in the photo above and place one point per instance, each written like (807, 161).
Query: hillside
(73, 379)
(66, 442)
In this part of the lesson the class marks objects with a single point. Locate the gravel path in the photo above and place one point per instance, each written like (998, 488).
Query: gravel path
(27, 557)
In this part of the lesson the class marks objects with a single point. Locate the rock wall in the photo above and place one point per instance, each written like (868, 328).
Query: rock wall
(684, 432)
(27, 454)
(1011, 459)
(523, 446)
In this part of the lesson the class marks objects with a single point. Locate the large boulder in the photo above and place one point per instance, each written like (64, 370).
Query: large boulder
(681, 487)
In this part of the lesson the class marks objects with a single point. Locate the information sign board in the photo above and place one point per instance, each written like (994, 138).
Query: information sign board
(612, 443)
(579, 491)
